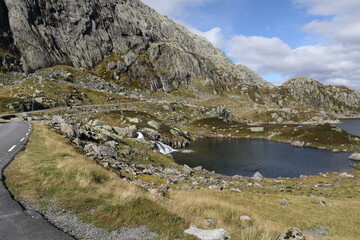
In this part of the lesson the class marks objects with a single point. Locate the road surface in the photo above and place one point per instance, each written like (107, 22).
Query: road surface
(15, 222)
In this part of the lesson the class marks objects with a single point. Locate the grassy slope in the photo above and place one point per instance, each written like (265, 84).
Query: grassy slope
(50, 177)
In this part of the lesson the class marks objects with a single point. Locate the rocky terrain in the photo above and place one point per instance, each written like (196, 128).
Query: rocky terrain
(126, 47)
(115, 68)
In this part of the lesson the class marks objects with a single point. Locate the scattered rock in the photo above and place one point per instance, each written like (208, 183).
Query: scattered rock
(246, 221)
(245, 218)
(215, 234)
(67, 129)
(198, 168)
(324, 204)
(299, 144)
(133, 120)
(345, 174)
(284, 202)
(186, 169)
(256, 129)
(292, 234)
(210, 222)
(111, 66)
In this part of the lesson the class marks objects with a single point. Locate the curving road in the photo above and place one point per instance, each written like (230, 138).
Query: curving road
(15, 222)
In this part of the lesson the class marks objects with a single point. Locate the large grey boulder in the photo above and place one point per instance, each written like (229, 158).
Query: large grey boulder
(258, 177)
(155, 124)
(292, 234)
(355, 156)
(214, 234)
(67, 129)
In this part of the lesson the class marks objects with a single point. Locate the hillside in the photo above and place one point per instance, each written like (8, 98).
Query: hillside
(127, 48)
(107, 70)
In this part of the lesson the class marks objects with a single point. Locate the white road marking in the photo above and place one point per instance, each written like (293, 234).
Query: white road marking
(22, 139)
(27, 134)
(12, 148)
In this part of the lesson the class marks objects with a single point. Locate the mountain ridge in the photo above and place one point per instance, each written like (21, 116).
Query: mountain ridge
(130, 46)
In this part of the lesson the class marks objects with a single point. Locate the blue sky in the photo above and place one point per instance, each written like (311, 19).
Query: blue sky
(279, 39)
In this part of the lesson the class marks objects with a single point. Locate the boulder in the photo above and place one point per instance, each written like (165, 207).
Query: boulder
(57, 120)
(299, 144)
(284, 202)
(214, 234)
(96, 123)
(245, 218)
(155, 124)
(126, 132)
(246, 221)
(187, 169)
(292, 234)
(258, 177)
(256, 129)
(355, 156)
(67, 129)
(100, 151)
(111, 66)
(133, 120)
(129, 59)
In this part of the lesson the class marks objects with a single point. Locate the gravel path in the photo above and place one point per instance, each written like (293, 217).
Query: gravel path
(72, 225)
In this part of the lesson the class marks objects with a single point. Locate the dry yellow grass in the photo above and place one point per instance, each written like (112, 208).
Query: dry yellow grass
(53, 172)
(270, 218)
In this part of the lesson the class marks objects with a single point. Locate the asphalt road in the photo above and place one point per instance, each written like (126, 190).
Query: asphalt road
(15, 222)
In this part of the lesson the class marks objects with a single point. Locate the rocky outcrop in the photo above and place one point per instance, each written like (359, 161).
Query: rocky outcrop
(303, 91)
(355, 157)
(82, 34)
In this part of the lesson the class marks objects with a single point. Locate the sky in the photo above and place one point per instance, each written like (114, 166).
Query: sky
(279, 39)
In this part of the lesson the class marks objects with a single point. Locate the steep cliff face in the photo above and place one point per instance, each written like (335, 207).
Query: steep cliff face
(5, 32)
(83, 33)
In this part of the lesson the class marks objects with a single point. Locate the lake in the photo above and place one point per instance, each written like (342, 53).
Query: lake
(272, 159)
(350, 125)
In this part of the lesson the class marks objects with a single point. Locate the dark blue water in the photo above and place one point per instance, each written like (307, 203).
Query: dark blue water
(350, 125)
(247, 156)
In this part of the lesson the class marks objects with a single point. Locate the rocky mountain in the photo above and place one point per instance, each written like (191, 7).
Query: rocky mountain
(123, 46)
(83, 33)
(305, 91)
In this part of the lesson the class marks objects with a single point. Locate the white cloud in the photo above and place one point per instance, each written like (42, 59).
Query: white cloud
(334, 61)
(329, 7)
(214, 36)
(176, 9)
(271, 55)
(173, 8)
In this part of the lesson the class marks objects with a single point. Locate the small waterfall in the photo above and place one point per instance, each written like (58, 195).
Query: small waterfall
(164, 149)
(140, 135)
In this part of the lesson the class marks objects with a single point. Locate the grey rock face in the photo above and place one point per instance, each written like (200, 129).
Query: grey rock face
(6, 41)
(308, 92)
(83, 33)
